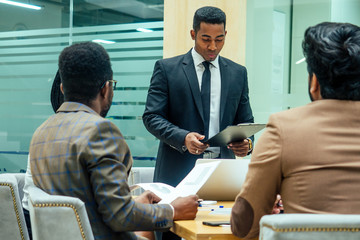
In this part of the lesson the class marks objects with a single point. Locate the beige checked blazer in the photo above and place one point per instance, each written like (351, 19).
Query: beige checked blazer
(78, 153)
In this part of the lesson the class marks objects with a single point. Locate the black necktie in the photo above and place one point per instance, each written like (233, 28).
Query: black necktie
(205, 96)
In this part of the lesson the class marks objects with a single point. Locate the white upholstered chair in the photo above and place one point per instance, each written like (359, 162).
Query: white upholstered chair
(310, 226)
(12, 220)
(140, 175)
(58, 217)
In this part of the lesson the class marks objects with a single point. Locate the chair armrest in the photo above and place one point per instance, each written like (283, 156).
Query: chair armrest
(310, 226)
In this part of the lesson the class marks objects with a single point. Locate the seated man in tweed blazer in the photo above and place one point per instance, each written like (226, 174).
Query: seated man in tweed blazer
(79, 153)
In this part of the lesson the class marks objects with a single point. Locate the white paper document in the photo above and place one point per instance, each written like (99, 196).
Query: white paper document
(188, 186)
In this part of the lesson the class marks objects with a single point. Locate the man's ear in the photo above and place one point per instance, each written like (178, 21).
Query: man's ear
(192, 34)
(61, 88)
(105, 89)
(315, 88)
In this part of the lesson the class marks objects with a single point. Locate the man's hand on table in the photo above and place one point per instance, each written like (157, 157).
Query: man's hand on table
(185, 208)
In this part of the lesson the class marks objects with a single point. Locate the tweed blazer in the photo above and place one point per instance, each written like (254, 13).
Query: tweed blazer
(311, 156)
(78, 153)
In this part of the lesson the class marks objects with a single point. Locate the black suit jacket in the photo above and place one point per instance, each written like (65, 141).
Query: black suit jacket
(174, 108)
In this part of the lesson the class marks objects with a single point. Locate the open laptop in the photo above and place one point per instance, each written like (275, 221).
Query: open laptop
(226, 180)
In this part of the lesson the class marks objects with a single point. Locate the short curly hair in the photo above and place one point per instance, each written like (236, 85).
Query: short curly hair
(83, 68)
(212, 15)
(332, 52)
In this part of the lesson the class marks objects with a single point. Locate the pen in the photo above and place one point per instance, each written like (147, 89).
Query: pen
(211, 206)
(221, 209)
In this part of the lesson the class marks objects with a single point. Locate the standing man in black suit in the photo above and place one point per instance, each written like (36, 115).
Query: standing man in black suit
(193, 97)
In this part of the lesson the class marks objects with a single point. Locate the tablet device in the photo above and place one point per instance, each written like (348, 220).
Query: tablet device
(234, 134)
(226, 180)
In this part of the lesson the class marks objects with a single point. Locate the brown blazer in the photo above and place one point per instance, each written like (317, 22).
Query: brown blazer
(78, 153)
(311, 156)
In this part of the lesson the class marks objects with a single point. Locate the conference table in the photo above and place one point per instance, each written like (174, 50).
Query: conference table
(194, 229)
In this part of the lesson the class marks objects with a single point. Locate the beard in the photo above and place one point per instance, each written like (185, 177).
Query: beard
(104, 112)
(106, 109)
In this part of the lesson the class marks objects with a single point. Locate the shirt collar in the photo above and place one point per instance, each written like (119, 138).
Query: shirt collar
(198, 59)
(75, 107)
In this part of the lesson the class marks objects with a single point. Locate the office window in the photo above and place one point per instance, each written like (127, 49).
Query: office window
(30, 43)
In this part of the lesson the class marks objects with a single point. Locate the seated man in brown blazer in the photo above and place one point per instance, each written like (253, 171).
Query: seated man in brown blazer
(79, 153)
(310, 155)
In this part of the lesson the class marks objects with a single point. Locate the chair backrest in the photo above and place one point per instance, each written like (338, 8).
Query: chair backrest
(310, 226)
(140, 175)
(58, 217)
(12, 220)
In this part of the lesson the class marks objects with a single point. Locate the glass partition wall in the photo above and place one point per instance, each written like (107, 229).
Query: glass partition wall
(278, 79)
(132, 32)
(30, 43)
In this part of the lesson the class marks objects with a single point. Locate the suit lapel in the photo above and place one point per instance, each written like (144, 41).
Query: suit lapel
(189, 69)
(225, 86)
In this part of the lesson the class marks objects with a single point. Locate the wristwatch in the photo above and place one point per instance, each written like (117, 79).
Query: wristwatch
(250, 145)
